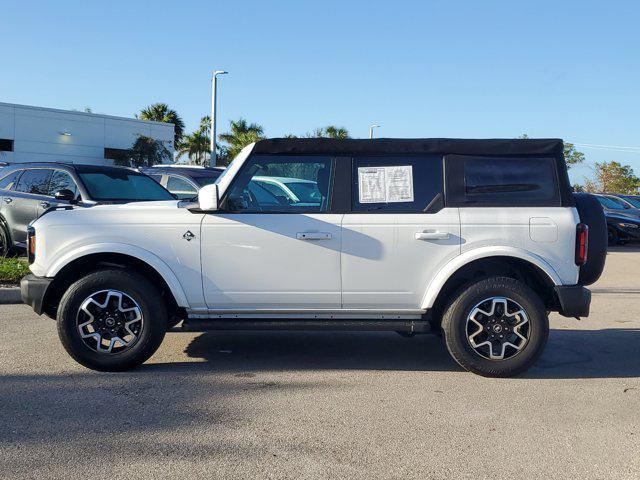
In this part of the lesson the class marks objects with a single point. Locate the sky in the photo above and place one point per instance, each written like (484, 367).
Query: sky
(449, 68)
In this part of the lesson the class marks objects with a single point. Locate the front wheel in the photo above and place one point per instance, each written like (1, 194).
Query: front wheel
(111, 320)
(496, 327)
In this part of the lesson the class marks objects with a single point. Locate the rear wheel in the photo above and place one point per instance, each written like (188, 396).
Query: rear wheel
(5, 243)
(496, 327)
(111, 320)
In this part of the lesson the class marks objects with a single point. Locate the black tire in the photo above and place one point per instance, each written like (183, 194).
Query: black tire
(149, 337)
(454, 326)
(612, 236)
(5, 242)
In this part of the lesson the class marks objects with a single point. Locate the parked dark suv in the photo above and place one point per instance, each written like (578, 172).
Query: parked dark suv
(27, 190)
(183, 181)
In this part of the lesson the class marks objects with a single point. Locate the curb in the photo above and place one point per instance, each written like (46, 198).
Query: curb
(10, 295)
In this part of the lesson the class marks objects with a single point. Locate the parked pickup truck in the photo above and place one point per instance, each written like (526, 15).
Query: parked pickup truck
(477, 239)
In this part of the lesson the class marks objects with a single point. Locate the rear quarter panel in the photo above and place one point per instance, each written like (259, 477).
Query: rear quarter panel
(548, 232)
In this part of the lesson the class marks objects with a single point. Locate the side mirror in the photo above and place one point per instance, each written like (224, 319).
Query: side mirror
(208, 198)
(65, 195)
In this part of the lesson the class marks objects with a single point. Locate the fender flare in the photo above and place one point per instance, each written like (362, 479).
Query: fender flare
(460, 261)
(146, 256)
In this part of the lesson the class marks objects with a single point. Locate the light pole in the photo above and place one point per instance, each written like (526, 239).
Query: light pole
(371, 130)
(214, 77)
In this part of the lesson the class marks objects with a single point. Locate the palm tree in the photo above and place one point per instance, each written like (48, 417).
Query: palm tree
(196, 146)
(242, 134)
(160, 112)
(331, 131)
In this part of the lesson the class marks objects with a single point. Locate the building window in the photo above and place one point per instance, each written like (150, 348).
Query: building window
(115, 153)
(6, 145)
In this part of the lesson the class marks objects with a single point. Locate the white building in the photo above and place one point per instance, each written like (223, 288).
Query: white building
(35, 134)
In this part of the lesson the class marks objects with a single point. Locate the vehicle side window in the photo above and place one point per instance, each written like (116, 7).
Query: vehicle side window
(157, 178)
(501, 181)
(8, 181)
(61, 180)
(397, 184)
(180, 187)
(34, 181)
(282, 184)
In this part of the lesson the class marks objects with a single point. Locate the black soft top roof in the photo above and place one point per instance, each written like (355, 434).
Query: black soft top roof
(330, 146)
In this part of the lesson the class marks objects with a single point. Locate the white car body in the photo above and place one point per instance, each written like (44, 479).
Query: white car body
(320, 265)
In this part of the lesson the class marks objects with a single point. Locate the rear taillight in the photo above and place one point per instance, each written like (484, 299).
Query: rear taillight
(582, 243)
(31, 244)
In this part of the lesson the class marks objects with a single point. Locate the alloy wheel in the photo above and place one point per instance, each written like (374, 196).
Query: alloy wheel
(497, 328)
(109, 321)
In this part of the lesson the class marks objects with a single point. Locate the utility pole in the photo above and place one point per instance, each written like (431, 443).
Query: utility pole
(214, 77)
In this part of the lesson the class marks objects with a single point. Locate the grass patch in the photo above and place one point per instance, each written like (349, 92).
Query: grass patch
(12, 270)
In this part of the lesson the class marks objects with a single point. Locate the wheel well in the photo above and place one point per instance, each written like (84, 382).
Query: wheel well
(97, 261)
(503, 266)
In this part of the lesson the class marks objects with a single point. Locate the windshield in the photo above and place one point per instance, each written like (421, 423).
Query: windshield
(609, 203)
(307, 192)
(202, 181)
(114, 186)
(633, 201)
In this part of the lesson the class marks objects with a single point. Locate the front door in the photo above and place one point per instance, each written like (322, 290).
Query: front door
(264, 251)
(398, 234)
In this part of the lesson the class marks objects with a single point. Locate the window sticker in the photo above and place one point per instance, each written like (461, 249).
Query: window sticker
(385, 184)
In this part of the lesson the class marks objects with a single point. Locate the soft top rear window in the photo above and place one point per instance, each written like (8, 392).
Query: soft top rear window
(502, 181)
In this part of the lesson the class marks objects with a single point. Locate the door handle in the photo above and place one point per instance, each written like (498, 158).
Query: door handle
(432, 235)
(313, 236)
(45, 204)
(8, 200)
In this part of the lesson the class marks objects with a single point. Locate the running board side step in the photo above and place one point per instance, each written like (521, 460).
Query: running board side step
(410, 326)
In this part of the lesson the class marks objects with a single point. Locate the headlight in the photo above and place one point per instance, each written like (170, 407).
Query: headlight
(628, 225)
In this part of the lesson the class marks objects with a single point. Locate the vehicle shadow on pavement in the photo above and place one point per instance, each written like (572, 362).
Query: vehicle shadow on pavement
(608, 353)
(256, 351)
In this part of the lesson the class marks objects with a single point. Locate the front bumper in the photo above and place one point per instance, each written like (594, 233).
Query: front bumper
(574, 300)
(33, 290)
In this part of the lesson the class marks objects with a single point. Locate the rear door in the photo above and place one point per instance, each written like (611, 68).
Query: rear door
(7, 182)
(28, 195)
(398, 233)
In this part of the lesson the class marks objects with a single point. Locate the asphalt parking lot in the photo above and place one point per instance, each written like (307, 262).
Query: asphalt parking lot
(329, 405)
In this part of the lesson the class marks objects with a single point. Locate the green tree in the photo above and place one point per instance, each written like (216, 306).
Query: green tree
(330, 131)
(160, 112)
(613, 177)
(240, 135)
(571, 155)
(145, 152)
(196, 146)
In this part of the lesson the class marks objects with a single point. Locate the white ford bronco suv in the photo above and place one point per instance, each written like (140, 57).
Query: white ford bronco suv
(475, 239)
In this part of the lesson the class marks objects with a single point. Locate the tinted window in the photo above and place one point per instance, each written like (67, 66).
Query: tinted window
(397, 184)
(508, 180)
(61, 180)
(202, 181)
(7, 182)
(632, 200)
(249, 192)
(34, 181)
(157, 178)
(610, 204)
(180, 187)
(114, 186)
